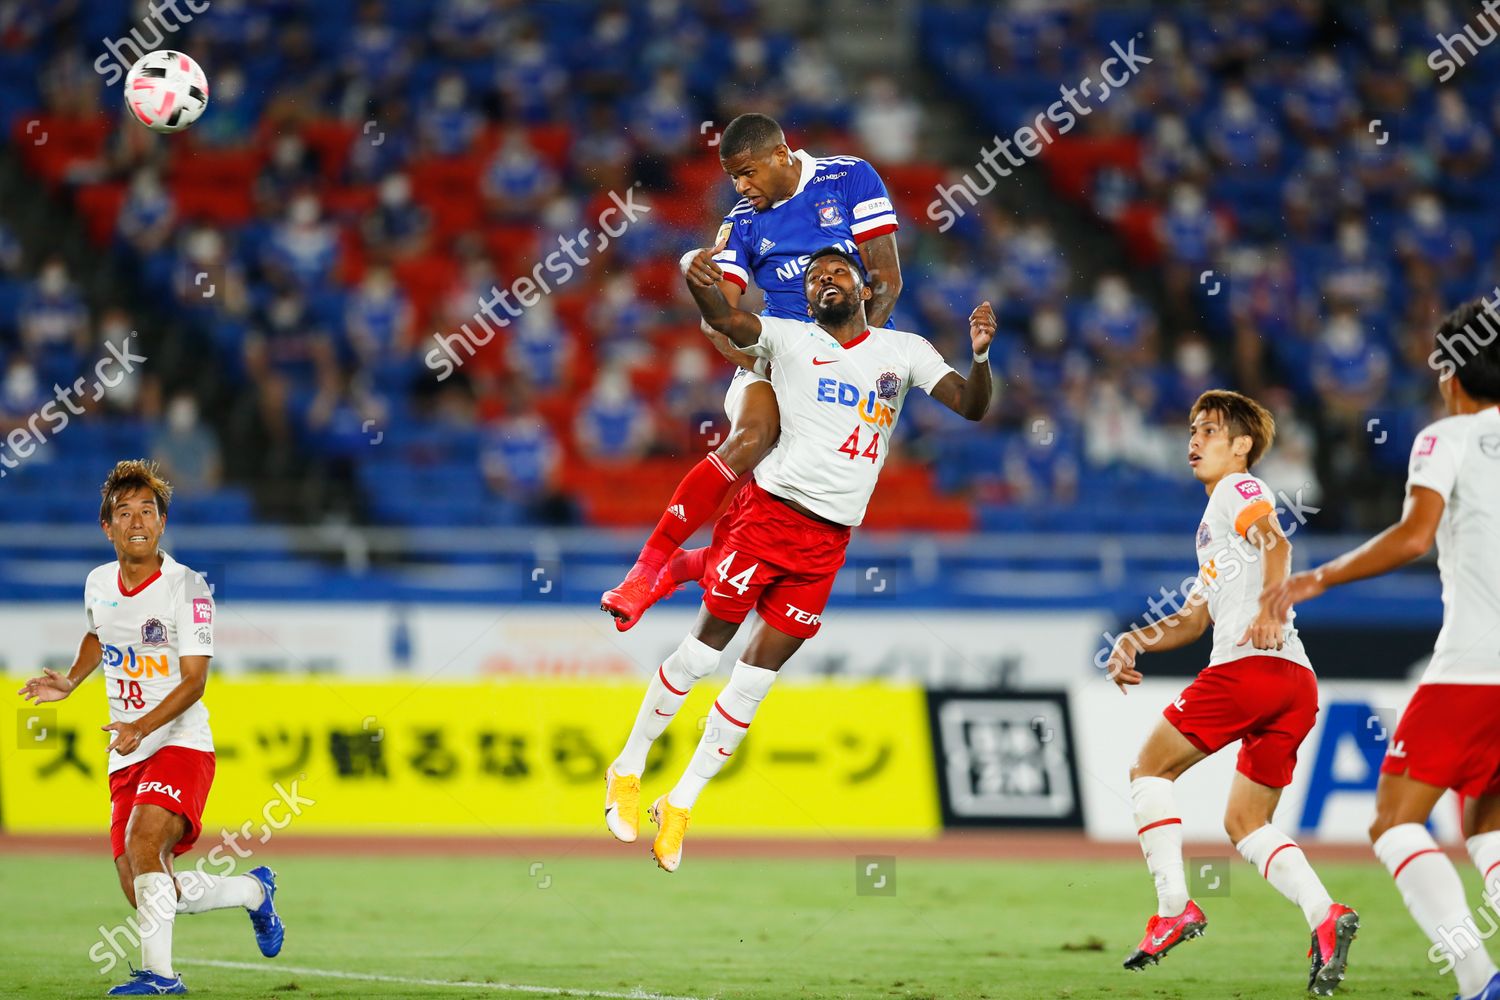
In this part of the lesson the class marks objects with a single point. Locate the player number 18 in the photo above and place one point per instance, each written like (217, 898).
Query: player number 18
(130, 696)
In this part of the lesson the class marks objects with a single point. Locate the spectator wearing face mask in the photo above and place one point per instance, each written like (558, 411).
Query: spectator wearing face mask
(1349, 369)
(187, 451)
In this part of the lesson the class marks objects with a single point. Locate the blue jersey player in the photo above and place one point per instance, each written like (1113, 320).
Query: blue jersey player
(792, 204)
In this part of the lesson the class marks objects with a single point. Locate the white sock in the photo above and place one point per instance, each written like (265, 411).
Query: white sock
(1159, 828)
(665, 693)
(155, 911)
(1431, 889)
(200, 892)
(1281, 862)
(728, 722)
(1484, 848)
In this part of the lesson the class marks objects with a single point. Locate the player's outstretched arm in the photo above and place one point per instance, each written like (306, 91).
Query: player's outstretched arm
(703, 278)
(883, 265)
(722, 344)
(970, 397)
(1178, 629)
(53, 686)
(1407, 539)
(128, 735)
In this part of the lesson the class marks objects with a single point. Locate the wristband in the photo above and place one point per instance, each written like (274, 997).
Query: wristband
(686, 261)
(980, 359)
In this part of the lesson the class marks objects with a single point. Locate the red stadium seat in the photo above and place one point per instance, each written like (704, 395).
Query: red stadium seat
(1072, 162)
(425, 279)
(348, 203)
(448, 187)
(51, 144)
(553, 143)
(225, 168)
(907, 500)
(209, 201)
(1137, 226)
(512, 246)
(99, 204)
(658, 280)
(330, 139)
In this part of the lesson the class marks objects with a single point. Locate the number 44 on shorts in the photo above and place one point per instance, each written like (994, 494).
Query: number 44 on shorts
(739, 581)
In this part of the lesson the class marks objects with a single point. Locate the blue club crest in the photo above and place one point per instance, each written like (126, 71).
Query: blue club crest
(830, 215)
(1204, 535)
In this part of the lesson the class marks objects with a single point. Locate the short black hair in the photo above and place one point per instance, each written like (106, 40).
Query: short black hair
(1468, 346)
(842, 254)
(750, 133)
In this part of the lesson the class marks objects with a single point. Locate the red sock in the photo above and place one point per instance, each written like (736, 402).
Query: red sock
(688, 566)
(697, 498)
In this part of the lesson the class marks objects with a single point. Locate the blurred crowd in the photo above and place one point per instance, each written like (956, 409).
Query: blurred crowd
(368, 171)
(1302, 196)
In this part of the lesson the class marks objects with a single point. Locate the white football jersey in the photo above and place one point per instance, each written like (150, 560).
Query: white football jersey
(1231, 571)
(1459, 459)
(144, 632)
(839, 404)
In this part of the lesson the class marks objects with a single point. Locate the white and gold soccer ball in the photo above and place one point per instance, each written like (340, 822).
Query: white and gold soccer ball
(166, 91)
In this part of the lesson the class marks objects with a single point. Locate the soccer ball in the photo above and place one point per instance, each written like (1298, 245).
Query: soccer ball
(166, 91)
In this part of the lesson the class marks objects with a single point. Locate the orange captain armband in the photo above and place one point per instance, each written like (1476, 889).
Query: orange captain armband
(1251, 514)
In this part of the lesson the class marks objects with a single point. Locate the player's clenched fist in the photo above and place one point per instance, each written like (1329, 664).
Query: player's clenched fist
(982, 327)
(699, 268)
(51, 686)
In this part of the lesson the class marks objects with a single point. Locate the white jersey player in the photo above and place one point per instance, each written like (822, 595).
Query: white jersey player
(151, 624)
(1258, 689)
(1231, 573)
(1447, 736)
(840, 387)
(144, 632)
(791, 205)
(838, 400)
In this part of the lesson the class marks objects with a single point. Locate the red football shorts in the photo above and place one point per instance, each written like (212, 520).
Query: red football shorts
(1449, 736)
(175, 778)
(1268, 703)
(769, 557)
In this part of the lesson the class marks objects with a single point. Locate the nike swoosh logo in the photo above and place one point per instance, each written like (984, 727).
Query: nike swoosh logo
(817, 361)
(1157, 942)
(660, 712)
(715, 592)
(723, 754)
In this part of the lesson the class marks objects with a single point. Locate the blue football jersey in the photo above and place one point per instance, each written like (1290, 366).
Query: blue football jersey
(840, 201)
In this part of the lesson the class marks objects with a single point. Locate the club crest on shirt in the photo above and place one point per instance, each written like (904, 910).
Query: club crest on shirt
(1249, 489)
(887, 385)
(153, 633)
(1204, 535)
(829, 214)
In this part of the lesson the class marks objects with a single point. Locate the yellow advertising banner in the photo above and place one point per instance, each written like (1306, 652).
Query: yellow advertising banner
(338, 756)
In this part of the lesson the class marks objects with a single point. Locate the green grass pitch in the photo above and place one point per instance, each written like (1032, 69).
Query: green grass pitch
(757, 928)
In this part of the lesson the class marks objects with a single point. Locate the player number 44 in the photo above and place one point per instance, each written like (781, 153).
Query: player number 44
(851, 447)
(739, 581)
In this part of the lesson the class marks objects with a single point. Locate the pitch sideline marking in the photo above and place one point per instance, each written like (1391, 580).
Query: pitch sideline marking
(370, 977)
